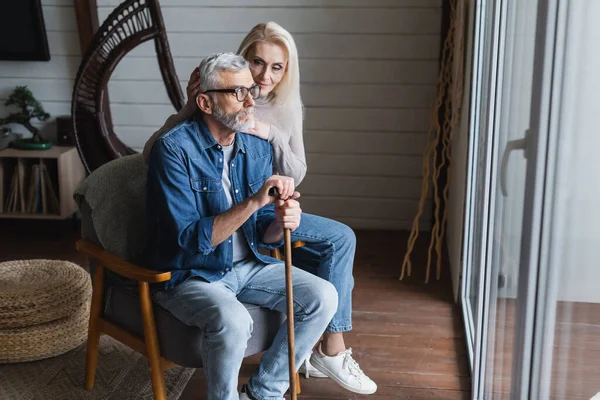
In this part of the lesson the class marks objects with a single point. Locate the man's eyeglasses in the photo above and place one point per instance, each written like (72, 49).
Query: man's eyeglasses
(241, 93)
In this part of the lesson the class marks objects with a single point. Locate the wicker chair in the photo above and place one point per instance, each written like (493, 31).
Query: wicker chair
(136, 322)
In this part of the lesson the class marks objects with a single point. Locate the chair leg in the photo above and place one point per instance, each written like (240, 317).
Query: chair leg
(151, 341)
(93, 341)
(276, 253)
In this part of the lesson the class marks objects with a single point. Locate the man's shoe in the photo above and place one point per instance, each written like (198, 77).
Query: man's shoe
(343, 369)
(244, 394)
(308, 370)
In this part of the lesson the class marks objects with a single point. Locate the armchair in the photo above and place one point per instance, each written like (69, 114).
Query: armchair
(121, 303)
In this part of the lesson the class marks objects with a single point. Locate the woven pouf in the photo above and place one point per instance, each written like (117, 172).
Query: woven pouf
(44, 308)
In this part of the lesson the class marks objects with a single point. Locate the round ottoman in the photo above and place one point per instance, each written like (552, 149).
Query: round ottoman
(44, 308)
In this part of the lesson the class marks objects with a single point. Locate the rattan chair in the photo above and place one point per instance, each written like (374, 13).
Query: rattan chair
(129, 25)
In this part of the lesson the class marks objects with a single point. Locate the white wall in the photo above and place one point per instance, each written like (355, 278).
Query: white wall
(368, 68)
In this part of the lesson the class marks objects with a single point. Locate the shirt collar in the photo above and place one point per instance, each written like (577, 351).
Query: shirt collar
(207, 139)
(240, 145)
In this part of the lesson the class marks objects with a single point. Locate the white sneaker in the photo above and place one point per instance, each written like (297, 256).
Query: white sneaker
(308, 370)
(343, 369)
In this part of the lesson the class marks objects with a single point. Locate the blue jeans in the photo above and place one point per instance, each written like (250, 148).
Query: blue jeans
(329, 254)
(217, 309)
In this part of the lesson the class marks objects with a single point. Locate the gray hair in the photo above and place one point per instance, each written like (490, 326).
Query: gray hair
(210, 67)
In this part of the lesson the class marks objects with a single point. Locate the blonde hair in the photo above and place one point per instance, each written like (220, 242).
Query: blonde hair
(288, 89)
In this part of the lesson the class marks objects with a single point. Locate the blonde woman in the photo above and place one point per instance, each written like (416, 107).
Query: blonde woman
(271, 53)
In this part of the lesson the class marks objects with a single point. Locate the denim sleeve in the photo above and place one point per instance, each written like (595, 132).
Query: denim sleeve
(176, 203)
(266, 215)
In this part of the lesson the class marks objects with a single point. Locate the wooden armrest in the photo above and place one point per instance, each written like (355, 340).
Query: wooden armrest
(120, 266)
(276, 253)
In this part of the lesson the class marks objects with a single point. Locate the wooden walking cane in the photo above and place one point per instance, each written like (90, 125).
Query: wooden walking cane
(287, 240)
(290, 313)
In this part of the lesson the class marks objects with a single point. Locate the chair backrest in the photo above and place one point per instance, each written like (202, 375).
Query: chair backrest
(112, 202)
(129, 25)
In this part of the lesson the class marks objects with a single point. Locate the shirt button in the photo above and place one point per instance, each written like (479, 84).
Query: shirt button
(251, 244)
(232, 164)
(236, 190)
(222, 273)
(229, 241)
(219, 147)
(204, 188)
(220, 159)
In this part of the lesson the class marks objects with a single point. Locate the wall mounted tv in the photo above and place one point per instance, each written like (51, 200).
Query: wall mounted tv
(22, 31)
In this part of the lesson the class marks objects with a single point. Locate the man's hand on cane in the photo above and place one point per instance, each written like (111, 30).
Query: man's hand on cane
(274, 188)
(288, 212)
(279, 190)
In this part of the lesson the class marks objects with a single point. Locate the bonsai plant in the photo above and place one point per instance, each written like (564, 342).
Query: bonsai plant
(29, 108)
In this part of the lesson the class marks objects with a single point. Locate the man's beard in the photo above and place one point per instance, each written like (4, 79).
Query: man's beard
(234, 121)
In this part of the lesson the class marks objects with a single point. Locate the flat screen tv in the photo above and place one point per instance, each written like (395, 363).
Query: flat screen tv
(22, 31)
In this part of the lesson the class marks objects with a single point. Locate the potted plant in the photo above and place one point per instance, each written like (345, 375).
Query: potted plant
(29, 108)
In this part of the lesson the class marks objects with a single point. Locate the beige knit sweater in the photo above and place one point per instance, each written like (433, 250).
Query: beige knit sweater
(285, 136)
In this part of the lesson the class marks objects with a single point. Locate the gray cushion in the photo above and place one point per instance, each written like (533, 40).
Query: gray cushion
(179, 343)
(116, 194)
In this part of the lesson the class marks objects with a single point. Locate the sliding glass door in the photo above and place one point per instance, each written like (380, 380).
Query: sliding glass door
(509, 125)
(566, 353)
(500, 121)
(479, 170)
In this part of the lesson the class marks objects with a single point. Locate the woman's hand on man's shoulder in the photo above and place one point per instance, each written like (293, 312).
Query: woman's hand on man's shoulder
(261, 129)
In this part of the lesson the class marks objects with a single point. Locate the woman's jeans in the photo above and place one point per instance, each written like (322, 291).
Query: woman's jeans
(329, 254)
(217, 309)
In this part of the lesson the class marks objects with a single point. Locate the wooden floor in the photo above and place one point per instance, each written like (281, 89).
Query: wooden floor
(407, 336)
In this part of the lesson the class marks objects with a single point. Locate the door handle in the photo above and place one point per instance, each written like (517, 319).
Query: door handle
(518, 144)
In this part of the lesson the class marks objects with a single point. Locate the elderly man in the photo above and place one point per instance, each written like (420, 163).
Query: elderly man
(209, 212)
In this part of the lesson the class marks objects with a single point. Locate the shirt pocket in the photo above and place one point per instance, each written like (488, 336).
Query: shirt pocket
(205, 185)
(257, 184)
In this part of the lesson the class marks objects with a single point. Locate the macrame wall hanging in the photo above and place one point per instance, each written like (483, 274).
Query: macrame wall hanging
(437, 155)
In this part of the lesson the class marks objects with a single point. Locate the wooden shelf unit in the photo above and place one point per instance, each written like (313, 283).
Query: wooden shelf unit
(65, 172)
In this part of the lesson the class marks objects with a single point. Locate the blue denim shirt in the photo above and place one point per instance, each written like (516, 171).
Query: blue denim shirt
(184, 193)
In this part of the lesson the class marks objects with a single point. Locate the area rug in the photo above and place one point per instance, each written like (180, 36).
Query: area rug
(121, 374)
